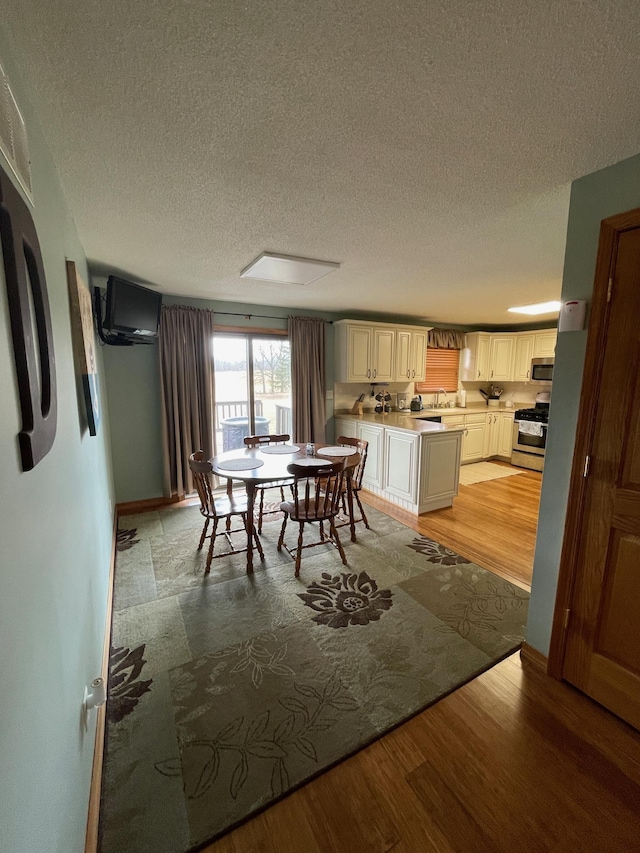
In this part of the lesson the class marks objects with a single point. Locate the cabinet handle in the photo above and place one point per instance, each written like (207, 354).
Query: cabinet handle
(527, 374)
(414, 374)
(492, 374)
(408, 374)
(374, 372)
(369, 373)
(478, 374)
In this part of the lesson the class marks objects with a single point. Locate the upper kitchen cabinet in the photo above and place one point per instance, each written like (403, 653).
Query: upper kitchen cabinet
(545, 344)
(501, 358)
(504, 357)
(474, 364)
(411, 351)
(379, 352)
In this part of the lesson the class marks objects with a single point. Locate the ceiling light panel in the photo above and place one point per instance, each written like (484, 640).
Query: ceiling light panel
(286, 269)
(538, 308)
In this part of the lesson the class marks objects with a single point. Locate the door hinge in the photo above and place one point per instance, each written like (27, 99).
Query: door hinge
(567, 614)
(587, 462)
(609, 289)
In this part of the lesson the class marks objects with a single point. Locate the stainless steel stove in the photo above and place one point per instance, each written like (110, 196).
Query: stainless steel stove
(530, 436)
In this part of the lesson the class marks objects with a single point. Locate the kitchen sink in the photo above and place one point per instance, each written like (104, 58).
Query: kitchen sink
(436, 419)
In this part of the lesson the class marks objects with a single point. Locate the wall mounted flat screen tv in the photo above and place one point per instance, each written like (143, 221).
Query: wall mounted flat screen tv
(132, 311)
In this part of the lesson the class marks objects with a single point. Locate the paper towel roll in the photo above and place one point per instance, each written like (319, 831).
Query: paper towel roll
(462, 399)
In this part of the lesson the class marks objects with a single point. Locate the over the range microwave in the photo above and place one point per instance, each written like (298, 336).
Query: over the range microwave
(542, 370)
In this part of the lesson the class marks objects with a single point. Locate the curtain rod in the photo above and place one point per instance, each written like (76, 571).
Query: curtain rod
(260, 316)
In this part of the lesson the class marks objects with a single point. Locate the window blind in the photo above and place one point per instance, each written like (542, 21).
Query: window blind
(441, 371)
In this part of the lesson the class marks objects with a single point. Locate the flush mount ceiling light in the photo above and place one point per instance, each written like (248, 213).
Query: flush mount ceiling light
(538, 308)
(285, 269)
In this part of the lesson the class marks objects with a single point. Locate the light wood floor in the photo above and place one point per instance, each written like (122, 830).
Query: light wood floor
(513, 762)
(493, 524)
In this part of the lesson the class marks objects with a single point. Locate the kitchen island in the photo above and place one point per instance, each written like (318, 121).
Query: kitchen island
(412, 463)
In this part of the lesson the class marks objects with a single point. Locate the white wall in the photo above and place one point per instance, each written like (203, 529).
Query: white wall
(55, 544)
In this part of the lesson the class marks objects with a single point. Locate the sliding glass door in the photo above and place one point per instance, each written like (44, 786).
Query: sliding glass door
(252, 387)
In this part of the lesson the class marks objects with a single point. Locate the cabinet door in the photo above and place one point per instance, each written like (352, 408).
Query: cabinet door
(505, 436)
(473, 442)
(474, 359)
(545, 344)
(522, 360)
(345, 427)
(359, 354)
(401, 464)
(483, 357)
(403, 355)
(373, 469)
(501, 358)
(383, 361)
(418, 356)
(491, 436)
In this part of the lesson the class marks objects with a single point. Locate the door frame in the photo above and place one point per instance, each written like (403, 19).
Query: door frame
(610, 229)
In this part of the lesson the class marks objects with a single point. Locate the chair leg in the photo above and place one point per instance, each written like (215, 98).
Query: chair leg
(364, 517)
(258, 545)
(282, 529)
(322, 536)
(204, 533)
(344, 504)
(260, 510)
(213, 539)
(299, 551)
(336, 538)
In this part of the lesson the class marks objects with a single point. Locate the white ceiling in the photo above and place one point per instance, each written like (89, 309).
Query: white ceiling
(427, 145)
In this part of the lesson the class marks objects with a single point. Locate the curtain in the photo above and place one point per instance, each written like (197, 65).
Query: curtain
(308, 382)
(445, 339)
(186, 377)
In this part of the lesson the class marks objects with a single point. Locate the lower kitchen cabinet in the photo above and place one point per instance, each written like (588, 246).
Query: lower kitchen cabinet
(505, 435)
(401, 464)
(347, 428)
(474, 438)
(375, 452)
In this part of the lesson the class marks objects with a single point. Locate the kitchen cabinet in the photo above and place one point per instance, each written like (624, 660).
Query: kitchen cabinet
(491, 434)
(505, 435)
(401, 464)
(411, 355)
(346, 428)
(501, 358)
(522, 358)
(474, 366)
(370, 353)
(473, 437)
(416, 470)
(379, 352)
(373, 469)
(545, 344)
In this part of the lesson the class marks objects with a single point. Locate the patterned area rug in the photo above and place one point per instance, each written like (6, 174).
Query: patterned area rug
(228, 691)
(480, 472)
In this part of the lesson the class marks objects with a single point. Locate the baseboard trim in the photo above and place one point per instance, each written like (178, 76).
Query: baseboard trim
(133, 507)
(93, 814)
(529, 655)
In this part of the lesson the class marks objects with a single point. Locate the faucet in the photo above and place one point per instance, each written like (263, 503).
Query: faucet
(438, 397)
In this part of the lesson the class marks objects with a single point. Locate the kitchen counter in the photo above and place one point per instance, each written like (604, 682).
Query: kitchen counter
(411, 421)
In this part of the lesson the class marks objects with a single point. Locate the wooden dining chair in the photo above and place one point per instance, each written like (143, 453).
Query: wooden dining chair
(316, 492)
(262, 441)
(356, 478)
(216, 508)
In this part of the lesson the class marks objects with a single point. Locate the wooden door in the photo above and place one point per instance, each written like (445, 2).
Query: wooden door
(418, 356)
(482, 357)
(401, 464)
(522, 360)
(473, 442)
(505, 435)
(545, 344)
(602, 653)
(373, 469)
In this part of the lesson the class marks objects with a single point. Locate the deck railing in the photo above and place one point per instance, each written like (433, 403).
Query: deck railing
(234, 409)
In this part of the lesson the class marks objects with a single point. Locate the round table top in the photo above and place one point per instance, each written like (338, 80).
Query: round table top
(275, 465)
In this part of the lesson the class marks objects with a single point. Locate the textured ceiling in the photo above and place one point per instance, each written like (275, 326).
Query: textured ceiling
(427, 146)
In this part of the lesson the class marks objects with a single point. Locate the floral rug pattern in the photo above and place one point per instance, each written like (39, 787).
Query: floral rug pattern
(228, 691)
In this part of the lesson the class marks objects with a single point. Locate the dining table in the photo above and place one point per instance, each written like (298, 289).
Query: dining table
(258, 465)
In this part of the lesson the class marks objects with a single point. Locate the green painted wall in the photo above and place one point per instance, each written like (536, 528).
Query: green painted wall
(55, 546)
(593, 198)
(133, 387)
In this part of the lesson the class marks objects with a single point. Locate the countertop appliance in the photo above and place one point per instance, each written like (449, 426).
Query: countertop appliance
(530, 434)
(542, 370)
(416, 404)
